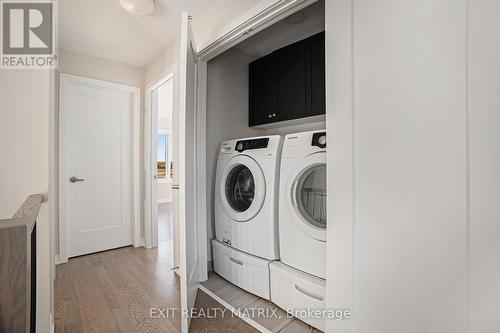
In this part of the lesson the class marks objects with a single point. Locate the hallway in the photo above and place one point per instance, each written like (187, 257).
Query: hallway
(113, 291)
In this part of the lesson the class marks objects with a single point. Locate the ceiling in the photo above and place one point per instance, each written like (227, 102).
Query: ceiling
(101, 28)
(298, 26)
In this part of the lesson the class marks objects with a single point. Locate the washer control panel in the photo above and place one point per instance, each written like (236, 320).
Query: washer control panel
(319, 140)
(243, 145)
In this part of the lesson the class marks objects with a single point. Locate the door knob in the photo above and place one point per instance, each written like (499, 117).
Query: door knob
(75, 179)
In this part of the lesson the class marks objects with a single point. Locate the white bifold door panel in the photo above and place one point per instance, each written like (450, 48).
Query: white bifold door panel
(188, 238)
(95, 167)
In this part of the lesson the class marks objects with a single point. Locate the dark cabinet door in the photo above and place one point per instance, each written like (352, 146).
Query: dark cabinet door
(289, 83)
(263, 107)
(293, 63)
(318, 96)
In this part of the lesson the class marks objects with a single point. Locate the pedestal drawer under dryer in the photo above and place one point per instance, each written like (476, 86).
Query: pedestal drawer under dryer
(298, 292)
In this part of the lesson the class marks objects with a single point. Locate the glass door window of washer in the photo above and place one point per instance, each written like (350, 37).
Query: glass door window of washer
(310, 195)
(240, 188)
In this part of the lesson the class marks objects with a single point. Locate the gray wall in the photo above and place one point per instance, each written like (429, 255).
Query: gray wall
(483, 110)
(227, 113)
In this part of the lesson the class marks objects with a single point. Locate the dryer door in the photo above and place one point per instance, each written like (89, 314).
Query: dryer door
(307, 190)
(242, 188)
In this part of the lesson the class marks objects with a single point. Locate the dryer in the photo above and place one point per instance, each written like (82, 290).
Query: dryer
(298, 280)
(302, 202)
(246, 195)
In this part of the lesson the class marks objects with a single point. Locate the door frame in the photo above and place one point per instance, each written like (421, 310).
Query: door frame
(135, 93)
(150, 232)
(255, 20)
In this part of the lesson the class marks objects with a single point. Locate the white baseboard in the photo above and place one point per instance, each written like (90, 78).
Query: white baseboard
(52, 326)
(164, 201)
(59, 260)
(141, 243)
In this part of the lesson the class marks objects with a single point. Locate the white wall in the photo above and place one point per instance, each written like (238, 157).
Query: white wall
(167, 63)
(24, 170)
(165, 105)
(413, 118)
(98, 68)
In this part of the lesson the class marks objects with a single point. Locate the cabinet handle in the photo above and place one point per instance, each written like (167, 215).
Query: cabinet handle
(308, 293)
(236, 261)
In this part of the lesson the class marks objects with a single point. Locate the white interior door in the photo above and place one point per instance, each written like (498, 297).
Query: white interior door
(154, 166)
(159, 121)
(189, 273)
(173, 168)
(95, 166)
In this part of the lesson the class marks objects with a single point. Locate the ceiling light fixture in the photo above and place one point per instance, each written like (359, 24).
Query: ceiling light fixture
(138, 7)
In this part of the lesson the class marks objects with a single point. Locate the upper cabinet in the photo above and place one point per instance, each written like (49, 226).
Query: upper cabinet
(263, 90)
(293, 64)
(318, 97)
(289, 83)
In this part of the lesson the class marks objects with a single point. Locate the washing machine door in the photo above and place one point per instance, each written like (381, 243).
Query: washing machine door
(307, 195)
(242, 188)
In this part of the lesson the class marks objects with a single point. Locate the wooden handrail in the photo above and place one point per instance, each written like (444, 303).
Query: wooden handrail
(26, 214)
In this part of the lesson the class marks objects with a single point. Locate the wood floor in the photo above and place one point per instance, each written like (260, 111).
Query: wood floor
(114, 291)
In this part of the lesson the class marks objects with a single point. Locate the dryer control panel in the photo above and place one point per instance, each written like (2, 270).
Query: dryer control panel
(243, 145)
(319, 140)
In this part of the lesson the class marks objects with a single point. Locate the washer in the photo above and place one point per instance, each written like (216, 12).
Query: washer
(246, 195)
(302, 202)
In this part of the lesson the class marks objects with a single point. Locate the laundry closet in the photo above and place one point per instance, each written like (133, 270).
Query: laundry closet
(265, 102)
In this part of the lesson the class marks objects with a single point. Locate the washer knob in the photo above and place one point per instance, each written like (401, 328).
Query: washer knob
(322, 140)
(239, 146)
